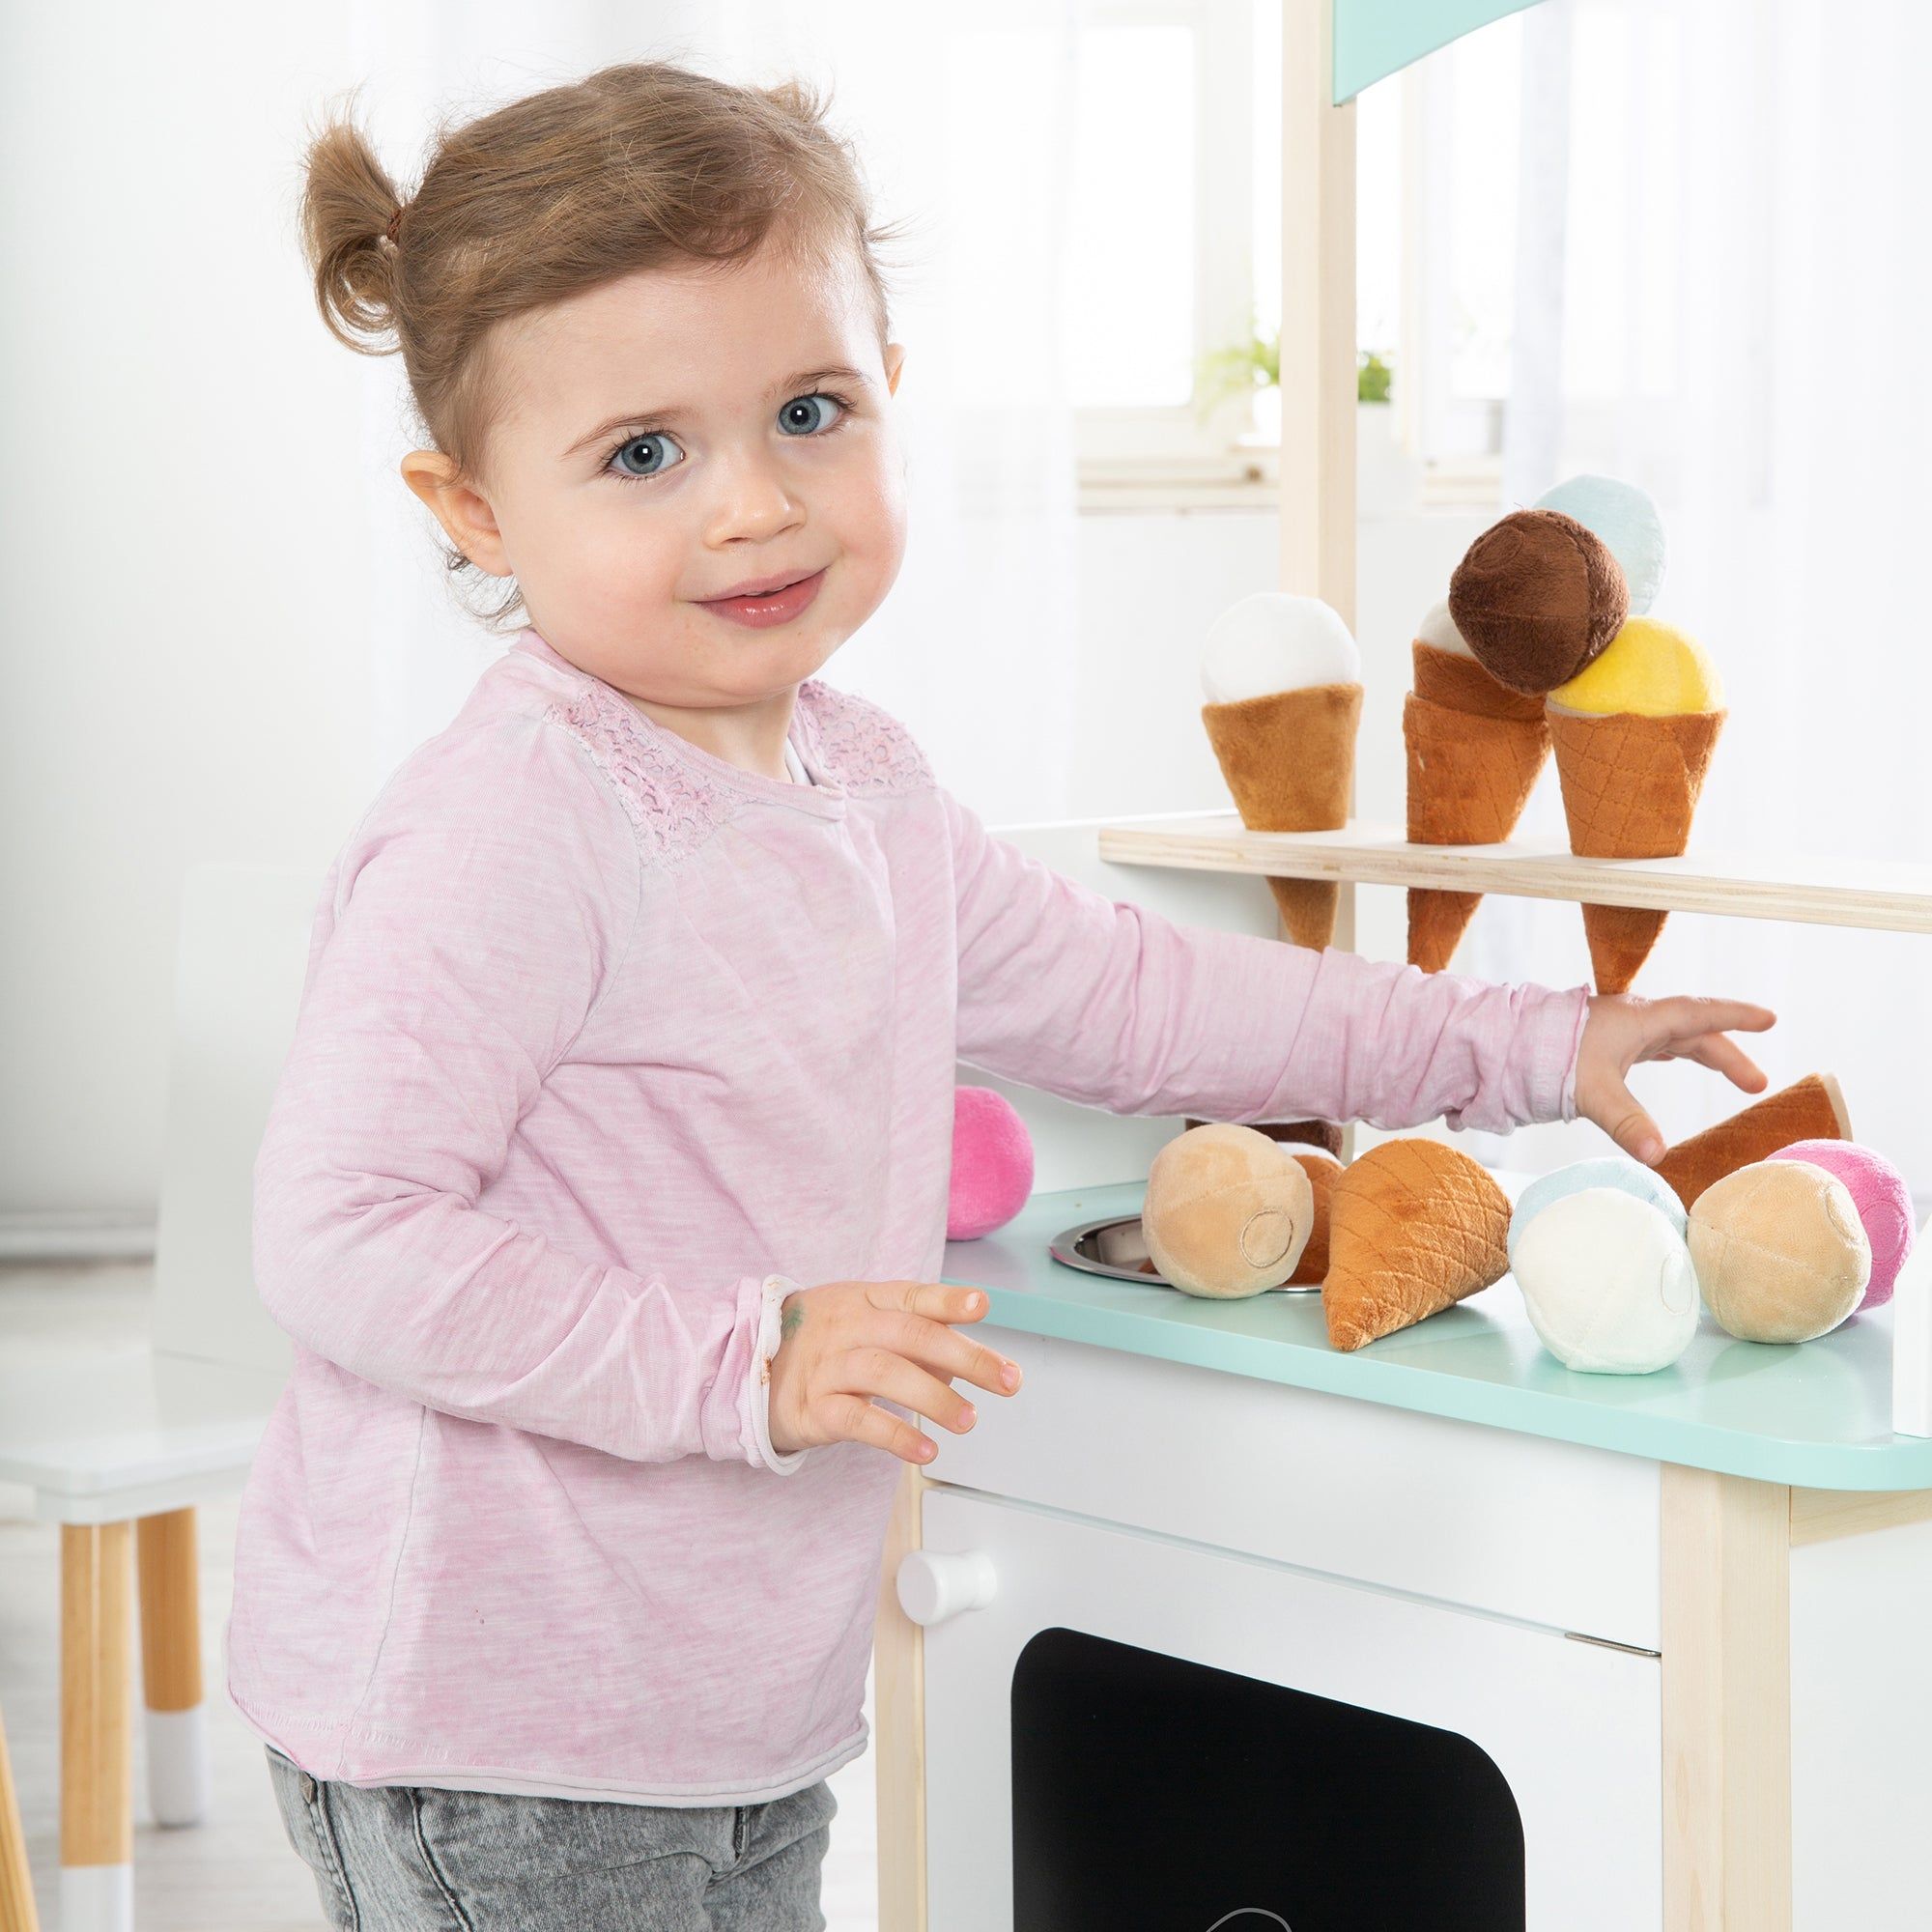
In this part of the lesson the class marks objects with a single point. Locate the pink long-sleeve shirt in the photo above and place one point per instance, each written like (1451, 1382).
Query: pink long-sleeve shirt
(605, 1046)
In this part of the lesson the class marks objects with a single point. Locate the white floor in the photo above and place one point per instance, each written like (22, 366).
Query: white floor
(236, 1873)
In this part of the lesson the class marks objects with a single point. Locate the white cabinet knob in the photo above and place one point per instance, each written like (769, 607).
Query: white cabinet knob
(935, 1584)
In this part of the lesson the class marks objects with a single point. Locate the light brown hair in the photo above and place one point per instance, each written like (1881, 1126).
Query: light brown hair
(635, 167)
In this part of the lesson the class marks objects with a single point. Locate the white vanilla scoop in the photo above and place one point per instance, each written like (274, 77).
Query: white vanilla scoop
(1275, 641)
(1438, 629)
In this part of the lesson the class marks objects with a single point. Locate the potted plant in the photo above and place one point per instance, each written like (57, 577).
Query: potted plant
(1388, 480)
(1248, 368)
(1253, 368)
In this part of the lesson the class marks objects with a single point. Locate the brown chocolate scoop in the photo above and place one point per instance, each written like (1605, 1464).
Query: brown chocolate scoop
(1537, 597)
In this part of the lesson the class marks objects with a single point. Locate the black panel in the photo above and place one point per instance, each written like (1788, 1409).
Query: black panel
(1154, 1795)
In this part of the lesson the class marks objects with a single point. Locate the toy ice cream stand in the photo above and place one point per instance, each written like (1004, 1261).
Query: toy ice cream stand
(1490, 1619)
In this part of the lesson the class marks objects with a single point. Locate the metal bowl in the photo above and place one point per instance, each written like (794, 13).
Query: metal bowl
(1117, 1246)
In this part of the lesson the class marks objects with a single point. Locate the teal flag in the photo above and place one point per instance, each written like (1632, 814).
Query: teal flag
(1377, 38)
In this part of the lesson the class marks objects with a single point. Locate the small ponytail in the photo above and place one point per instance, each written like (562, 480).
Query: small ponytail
(349, 207)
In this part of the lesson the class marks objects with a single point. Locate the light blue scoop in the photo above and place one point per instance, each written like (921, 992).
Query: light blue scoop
(1627, 520)
(1610, 1170)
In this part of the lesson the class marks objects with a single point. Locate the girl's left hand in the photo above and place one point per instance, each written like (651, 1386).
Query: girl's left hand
(1623, 1029)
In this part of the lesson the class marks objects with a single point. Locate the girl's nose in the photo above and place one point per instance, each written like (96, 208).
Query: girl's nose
(752, 501)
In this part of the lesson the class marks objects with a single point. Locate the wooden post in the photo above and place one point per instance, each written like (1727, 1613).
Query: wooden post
(96, 1829)
(1317, 340)
(1726, 1687)
(17, 1885)
(899, 1728)
(1318, 316)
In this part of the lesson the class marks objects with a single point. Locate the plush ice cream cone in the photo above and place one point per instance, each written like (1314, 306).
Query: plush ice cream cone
(1813, 1109)
(1629, 791)
(1634, 736)
(1414, 1227)
(1283, 680)
(1288, 758)
(1283, 683)
(1476, 749)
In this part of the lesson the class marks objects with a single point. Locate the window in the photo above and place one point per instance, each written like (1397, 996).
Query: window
(1176, 217)
(1177, 207)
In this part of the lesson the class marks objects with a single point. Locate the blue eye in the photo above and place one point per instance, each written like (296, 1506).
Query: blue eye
(809, 416)
(654, 452)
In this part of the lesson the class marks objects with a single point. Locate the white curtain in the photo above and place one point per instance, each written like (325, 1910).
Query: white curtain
(1739, 189)
(961, 119)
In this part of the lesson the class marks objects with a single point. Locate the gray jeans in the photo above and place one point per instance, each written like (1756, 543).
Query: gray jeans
(404, 1858)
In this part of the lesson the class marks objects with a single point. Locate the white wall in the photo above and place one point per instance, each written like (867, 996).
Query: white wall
(184, 674)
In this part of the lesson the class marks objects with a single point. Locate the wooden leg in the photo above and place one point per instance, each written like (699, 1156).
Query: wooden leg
(17, 1886)
(97, 1739)
(1726, 1684)
(899, 1729)
(171, 1669)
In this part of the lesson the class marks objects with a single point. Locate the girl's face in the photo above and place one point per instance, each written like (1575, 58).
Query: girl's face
(672, 446)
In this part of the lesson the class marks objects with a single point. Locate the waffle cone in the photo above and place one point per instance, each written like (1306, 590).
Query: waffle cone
(1322, 1175)
(1449, 678)
(1436, 922)
(1631, 785)
(1475, 751)
(1288, 758)
(1414, 1227)
(1469, 777)
(1813, 1109)
(1309, 909)
(1620, 939)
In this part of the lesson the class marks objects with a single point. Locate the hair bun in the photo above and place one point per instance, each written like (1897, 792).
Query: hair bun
(349, 205)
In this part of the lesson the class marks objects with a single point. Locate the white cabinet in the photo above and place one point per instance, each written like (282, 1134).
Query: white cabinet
(1545, 1532)
(1571, 1728)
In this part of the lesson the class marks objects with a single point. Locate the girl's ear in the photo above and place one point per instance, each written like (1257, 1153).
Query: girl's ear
(466, 517)
(895, 362)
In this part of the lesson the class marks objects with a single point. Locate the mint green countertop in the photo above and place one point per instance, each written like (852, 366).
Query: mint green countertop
(1817, 1415)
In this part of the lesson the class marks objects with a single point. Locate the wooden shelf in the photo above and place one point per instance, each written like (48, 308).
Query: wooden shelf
(1872, 894)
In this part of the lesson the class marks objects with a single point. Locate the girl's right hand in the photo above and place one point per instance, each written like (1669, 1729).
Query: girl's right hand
(845, 1341)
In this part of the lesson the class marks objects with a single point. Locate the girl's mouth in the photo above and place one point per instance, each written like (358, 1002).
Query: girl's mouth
(768, 606)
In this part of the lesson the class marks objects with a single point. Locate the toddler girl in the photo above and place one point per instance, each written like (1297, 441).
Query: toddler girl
(604, 1186)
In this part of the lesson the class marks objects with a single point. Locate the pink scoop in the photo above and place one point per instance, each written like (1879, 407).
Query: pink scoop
(1884, 1201)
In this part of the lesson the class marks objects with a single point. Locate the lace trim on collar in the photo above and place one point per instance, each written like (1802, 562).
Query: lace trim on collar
(674, 807)
(864, 748)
